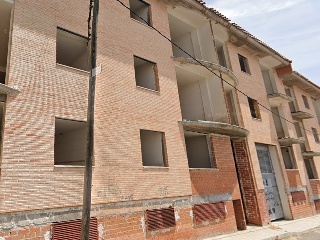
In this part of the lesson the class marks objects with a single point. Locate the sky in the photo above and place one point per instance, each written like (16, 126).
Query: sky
(291, 27)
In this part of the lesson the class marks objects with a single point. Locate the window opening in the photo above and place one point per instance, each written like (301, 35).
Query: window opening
(153, 148)
(142, 9)
(315, 135)
(244, 65)
(310, 167)
(254, 108)
(71, 49)
(70, 142)
(305, 101)
(146, 74)
(199, 151)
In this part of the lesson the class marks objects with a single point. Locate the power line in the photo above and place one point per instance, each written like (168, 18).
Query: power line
(200, 63)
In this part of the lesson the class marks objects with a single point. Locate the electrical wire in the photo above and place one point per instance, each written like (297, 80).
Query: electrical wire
(200, 63)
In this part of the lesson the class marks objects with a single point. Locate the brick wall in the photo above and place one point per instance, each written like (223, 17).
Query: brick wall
(205, 181)
(315, 186)
(254, 200)
(293, 177)
(300, 205)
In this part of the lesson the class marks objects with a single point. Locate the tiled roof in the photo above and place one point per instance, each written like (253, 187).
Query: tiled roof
(242, 29)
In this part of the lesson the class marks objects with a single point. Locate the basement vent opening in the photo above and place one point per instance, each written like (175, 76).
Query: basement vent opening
(153, 148)
(209, 211)
(146, 74)
(157, 219)
(142, 9)
(72, 230)
(72, 49)
(70, 142)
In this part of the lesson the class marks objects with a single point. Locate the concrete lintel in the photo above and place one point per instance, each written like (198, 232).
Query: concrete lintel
(212, 198)
(315, 197)
(310, 154)
(296, 189)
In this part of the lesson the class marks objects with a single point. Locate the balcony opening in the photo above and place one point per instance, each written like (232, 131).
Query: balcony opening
(316, 107)
(199, 150)
(306, 102)
(278, 122)
(195, 40)
(142, 9)
(315, 135)
(291, 104)
(232, 103)
(269, 81)
(5, 30)
(70, 142)
(301, 134)
(288, 158)
(244, 65)
(311, 169)
(71, 49)
(221, 54)
(153, 148)
(254, 108)
(146, 74)
(201, 97)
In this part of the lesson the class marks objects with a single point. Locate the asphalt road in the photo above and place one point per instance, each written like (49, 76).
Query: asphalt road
(313, 234)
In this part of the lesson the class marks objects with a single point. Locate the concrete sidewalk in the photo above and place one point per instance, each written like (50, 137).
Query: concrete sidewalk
(276, 230)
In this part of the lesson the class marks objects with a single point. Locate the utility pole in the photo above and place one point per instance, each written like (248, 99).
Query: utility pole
(85, 226)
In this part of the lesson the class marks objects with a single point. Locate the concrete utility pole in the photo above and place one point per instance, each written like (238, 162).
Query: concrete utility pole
(85, 226)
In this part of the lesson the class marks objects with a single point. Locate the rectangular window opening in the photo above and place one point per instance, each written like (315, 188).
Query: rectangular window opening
(315, 135)
(153, 148)
(142, 9)
(157, 219)
(311, 169)
(244, 65)
(254, 108)
(305, 101)
(288, 159)
(2, 77)
(146, 74)
(70, 142)
(71, 49)
(199, 151)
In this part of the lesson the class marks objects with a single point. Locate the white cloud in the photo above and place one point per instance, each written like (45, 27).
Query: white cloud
(288, 26)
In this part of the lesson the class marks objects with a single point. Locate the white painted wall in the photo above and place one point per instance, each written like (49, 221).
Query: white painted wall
(151, 148)
(216, 99)
(145, 76)
(70, 147)
(206, 43)
(184, 42)
(198, 152)
(191, 102)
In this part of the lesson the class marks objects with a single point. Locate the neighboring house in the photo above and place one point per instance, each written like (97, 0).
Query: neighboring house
(178, 153)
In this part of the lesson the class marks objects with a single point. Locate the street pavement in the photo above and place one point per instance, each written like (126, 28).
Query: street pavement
(300, 229)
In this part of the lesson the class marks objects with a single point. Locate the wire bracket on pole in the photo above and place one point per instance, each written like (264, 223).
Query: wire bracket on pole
(96, 71)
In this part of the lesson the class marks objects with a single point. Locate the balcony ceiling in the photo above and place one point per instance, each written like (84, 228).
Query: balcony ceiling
(196, 67)
(206, 127)
(301, 115)
(288, 141)
(276, 99)
(4, 89)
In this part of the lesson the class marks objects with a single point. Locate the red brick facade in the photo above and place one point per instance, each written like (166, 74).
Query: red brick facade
(35, 192)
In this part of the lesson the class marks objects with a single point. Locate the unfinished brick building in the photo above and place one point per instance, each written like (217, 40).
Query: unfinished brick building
(179, 153)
